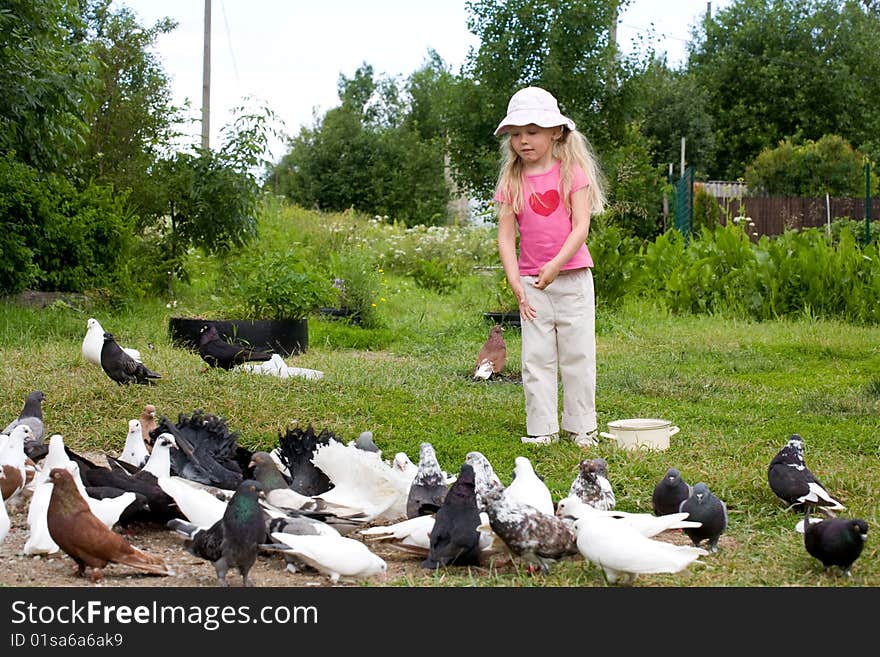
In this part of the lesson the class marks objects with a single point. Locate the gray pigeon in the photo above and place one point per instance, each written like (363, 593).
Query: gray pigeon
(455, 540)
(591, 485)
(705, 507)
(121, 367)
(244, 530)
(429, 487)
(365, 442)
(484, 476)
(537, 537)
(32, 415)
(669, 493)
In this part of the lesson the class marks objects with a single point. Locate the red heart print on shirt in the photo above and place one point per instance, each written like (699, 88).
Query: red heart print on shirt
(544, 203)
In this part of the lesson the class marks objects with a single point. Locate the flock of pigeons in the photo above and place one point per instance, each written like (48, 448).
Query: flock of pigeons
(322, 503)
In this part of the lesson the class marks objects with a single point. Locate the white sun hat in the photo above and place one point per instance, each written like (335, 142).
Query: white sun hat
(533, 105)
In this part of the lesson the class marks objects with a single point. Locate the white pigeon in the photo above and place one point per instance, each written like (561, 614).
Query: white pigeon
(276, 366)
(404, 464)
(12, 462)
(360, 480)
(4, 521)
(647, 524)
(200, 507)
(159, 463)
(623, 553)
(527, 487)
(94, 342)
(336, 556)
(135, 451)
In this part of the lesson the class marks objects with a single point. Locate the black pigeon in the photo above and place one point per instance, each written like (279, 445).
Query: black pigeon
(669, 493)
(244, 530)
(216, 352)
(428, 487)
(793, 483)
(835, 541)
(295, 452)
(207, 451)
(204, 543)
(121, 367)
(32, 415)
(455, 540)
(537, 537)
(705, 507)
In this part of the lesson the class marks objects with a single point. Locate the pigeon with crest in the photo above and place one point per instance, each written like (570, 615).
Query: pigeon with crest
(429, 487)
(591, 484)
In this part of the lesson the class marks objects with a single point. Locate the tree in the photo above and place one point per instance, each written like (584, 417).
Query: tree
(131, 122)
(778, 68)
(47, 78)
(561, 45)
(812, 168)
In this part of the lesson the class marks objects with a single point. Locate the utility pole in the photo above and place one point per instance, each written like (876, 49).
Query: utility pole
(206, 80)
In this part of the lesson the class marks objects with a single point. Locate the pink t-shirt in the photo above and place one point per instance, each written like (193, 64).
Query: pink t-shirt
(544, 223)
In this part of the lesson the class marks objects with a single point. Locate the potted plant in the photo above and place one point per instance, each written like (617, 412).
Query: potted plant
(271, 299)
(503, 307)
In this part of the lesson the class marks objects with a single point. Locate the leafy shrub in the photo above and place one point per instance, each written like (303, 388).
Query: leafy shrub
(356, 281)
(438, 275)
(56, 238)
(616, 261)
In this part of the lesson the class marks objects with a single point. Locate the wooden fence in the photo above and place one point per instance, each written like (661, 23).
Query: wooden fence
(773, 214)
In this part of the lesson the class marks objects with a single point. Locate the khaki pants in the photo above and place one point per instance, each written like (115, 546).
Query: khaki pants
(561, 341)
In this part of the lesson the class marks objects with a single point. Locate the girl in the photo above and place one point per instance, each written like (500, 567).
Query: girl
(547, 189)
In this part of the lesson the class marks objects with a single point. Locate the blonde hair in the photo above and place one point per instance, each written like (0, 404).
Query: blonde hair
(572, 148)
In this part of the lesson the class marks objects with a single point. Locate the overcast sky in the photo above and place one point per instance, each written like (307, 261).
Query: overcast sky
(290, 54)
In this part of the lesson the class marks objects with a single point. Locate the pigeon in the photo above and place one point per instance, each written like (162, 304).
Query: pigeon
(276, 366)
(669, 493)
(455, 540)
(121, 367)
(216, 352)
(793, 483)
(571, 508)
(492, 355)
(623, 553)
(32, 415)
(5, 523)
(12, 464)
(591, 484)
(85, 539)
(835, 541)
(286, 501)
(244, 530)
(365, 442)
(135, 451)
(295, 451)
(94, 342)
(403, 464)
(362, 481)
(705, 507)
(410, 535)
(196, 504)
(148, 423)
(207, 451)
(336, 556)
(528, 488)
(484, 476)
(428, 488)
(538, 537)
(202, 542)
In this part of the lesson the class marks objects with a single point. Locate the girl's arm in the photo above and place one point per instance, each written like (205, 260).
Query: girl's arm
(580, 228)
(507, 254)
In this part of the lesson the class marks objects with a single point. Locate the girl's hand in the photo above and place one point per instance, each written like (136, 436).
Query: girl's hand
(546, 275)
(525, 309)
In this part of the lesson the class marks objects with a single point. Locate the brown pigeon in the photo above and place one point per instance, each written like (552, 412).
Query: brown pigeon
(148, 423)
(87, 540)
(492, 355)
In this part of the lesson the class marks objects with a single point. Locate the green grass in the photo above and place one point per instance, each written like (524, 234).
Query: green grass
(736, 389)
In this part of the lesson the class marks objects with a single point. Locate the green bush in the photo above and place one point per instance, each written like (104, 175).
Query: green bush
(56, 238)
(356, 281)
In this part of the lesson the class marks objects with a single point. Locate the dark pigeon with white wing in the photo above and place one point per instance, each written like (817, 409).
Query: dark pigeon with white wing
(792, 481)
(121, 367)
